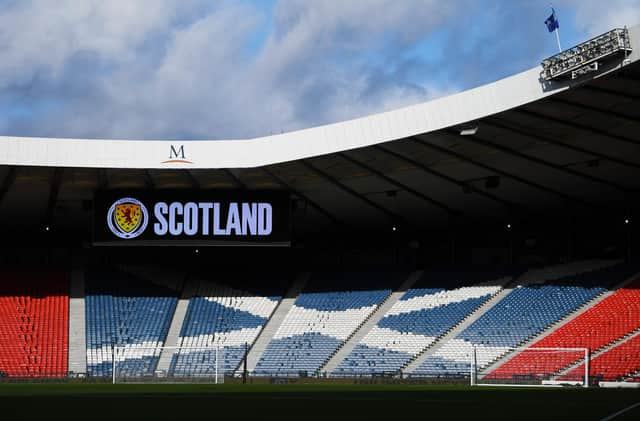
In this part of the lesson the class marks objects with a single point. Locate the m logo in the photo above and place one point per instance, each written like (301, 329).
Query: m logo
(176, 152)
(127, 218)
(177, 155)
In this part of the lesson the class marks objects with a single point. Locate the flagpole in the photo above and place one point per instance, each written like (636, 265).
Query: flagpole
(557, 31)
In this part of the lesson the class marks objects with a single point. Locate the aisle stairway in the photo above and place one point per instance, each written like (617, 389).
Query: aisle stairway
(274, 322)
(369, 323)
(77, 324)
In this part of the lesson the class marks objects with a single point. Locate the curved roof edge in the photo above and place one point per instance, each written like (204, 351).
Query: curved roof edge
(437, 114)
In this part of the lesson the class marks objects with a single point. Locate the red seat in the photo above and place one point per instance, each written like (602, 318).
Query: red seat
(606, 322)
(34, 313)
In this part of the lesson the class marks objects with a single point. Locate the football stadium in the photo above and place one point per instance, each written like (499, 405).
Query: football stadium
(471, 256)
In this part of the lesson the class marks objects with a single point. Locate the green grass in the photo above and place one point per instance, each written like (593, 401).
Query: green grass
(307, 402)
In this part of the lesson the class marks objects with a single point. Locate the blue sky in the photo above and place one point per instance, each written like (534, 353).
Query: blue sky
(197, 69)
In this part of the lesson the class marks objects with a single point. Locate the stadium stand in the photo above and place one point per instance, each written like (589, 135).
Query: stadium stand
(613, 318)
(125, 311)
(330, 308)
(34, 311)
(619, 363)
(437, 302)
(225, 317)
(541, 299)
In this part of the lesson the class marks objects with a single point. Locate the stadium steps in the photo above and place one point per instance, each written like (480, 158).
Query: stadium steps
(175, 327)
(77, 323)
(273, 324)
(554, 326)
(453, 332)
(600, 351)
(357, 335)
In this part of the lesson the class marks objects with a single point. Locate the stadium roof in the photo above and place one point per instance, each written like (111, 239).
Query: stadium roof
(531, 146)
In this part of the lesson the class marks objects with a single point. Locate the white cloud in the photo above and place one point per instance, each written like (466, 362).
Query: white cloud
(595, 16)
(182, 68)
(151, 69)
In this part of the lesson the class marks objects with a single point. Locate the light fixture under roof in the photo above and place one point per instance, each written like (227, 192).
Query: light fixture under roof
(469, 131)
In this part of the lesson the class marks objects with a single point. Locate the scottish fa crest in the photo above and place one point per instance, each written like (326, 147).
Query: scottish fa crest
(127, 218)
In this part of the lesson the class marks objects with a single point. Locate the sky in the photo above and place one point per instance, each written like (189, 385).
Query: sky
(203, 69)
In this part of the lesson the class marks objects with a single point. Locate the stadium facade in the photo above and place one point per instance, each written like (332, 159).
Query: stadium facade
(444, 239)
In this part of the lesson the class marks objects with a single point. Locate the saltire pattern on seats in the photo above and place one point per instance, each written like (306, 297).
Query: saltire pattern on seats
(34, 322)
(331, 307)
(128, 312)
(613, 318)
(223, 317)
(435, 304)
(540, 299)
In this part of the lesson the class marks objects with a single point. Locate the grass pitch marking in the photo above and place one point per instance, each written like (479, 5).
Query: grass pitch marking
(622, 411)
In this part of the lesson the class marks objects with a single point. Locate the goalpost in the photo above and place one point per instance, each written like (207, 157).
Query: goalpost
(167, 364)
(531, 367)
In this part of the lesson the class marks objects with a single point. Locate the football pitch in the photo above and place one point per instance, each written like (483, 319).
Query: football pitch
(304, 402)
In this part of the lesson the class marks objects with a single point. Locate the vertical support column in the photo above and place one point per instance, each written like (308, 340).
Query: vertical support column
(77, 322)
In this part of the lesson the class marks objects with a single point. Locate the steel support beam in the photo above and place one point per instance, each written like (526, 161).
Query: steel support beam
(306, 198)
(148, 180)
(442, 176)
(54, 189)
(548, 139)
(626, 78)
(103, 179)
(401, 186)
(352, 192)
(492, 145)
(577, 126)
(495, 170)
(611, 92)
(239, 184)
(621, 116)
(8, 181)
(192, 179)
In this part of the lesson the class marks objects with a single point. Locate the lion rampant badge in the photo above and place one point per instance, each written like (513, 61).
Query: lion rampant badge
(127, 218)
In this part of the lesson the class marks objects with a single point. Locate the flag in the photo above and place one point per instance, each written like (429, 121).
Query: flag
(552, 22)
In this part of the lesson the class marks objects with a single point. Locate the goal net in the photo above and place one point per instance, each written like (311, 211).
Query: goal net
(530, 367)
(167, 364)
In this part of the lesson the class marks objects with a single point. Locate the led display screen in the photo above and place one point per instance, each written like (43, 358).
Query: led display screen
(201, 217)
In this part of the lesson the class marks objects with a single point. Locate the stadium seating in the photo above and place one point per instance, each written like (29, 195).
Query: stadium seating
(227, 318)
(436, 303)
(539, 300)
(228, 311)
(601, 325)
(34, 320)
(331, 307)
(619, 363)
(125, 311)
